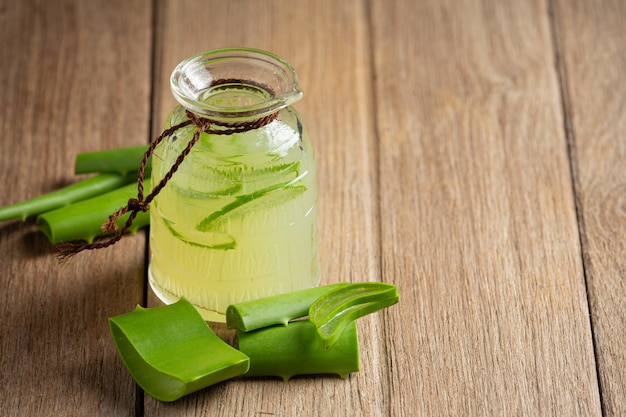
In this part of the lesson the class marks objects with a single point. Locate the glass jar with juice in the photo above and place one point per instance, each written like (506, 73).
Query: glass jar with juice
(238, 219)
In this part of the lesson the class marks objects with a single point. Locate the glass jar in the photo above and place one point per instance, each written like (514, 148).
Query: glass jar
(238, 219)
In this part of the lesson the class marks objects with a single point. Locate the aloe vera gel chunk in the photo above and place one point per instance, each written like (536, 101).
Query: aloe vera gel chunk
(332, 312)
(170, 351)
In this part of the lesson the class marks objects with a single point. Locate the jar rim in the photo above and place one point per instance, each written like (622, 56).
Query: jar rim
(273, 79)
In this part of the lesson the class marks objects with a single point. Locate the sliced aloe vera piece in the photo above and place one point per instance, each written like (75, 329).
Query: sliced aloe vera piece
(275, 309)
(333, 312)
(286, 351)
(170, 351)
(271, 196)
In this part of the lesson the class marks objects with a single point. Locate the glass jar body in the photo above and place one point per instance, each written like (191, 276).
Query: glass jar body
(238, 219)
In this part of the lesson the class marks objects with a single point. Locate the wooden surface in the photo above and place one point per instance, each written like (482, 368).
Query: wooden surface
(471, 152)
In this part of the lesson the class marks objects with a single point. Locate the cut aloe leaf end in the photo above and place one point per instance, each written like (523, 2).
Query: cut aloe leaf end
(83, 220)
(276, 309)
(296, 349)
(333, 312)
(170, 351)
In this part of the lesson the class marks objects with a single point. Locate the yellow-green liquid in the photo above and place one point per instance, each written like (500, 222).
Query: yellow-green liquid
(237, 221)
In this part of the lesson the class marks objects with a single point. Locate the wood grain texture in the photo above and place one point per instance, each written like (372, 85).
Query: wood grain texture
(328, 44)
(71, 82)
(467, 151)
(478, 220)
(592, 40)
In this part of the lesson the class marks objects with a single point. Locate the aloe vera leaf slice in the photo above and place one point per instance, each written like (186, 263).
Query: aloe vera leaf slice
(267, 195)
(296, 349)
(171, 351)
(276, 309)
(332, 312)
(208, 240)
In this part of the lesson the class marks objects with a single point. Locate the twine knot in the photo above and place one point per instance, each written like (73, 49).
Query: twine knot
(203, 124)
(137, 205)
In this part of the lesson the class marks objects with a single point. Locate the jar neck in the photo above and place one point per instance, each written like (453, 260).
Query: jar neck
(232, 102)
(226, 126)
(234, 86)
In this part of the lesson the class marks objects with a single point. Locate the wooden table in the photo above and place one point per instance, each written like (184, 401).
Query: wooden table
(471, 152)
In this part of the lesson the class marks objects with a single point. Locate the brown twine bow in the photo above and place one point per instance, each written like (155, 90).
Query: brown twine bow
(66, 250)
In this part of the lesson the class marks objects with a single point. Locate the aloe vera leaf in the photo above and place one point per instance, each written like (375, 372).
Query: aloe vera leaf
(275, 309)
(120, 160)
(83, 220)
(170, 350)
(288, 190)
(81, 190)
(333, 312)
(296, 349)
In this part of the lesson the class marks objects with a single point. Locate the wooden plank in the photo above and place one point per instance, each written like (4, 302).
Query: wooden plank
(479, 227)
(592, 39)
(327, 42)
(75, 76)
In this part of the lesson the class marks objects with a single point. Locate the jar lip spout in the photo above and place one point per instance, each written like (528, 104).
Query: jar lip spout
(235, 84)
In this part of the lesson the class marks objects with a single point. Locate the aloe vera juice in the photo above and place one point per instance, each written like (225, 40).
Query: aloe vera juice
(238, 220)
